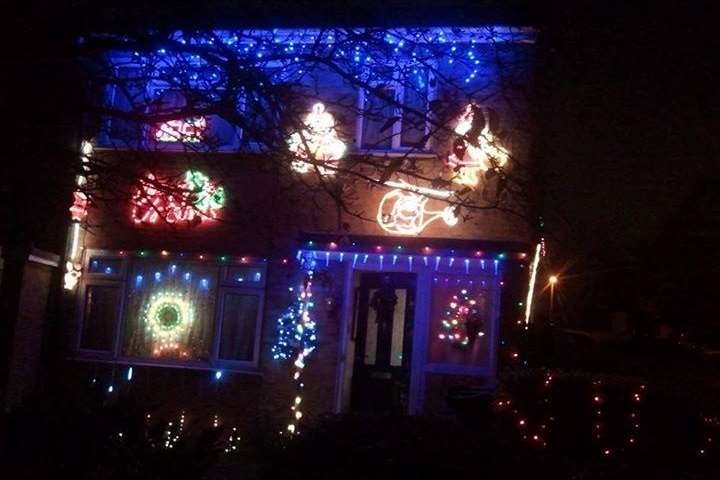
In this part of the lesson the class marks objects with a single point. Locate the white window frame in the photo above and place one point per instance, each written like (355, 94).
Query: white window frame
(121, 281)
(146, 141)
(397, 128)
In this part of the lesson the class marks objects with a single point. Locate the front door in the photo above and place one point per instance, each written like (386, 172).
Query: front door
(383, 333)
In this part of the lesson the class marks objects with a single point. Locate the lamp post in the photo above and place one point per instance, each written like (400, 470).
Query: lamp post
(552, 281)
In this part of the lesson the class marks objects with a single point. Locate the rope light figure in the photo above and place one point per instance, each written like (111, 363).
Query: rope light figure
(317, 142)
(193, 200)
(190, 130)
(404, 211)
(471, 160)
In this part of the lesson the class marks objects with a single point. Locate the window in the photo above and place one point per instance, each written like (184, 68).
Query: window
(238, 325)
(101, 314)
(175, 311)
(462, 319)
(385, 126)
(133, 91)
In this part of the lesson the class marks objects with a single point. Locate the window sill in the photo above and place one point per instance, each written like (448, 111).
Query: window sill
(143, 362)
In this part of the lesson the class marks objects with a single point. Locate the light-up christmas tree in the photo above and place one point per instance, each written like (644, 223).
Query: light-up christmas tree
(463, 323)
(297, 338)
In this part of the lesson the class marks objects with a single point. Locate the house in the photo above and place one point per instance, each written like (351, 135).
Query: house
(335, 245)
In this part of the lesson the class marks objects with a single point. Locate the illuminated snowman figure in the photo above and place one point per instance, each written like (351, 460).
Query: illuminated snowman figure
(317, 142)
(403, 211)
(168, 318)
(472, 160)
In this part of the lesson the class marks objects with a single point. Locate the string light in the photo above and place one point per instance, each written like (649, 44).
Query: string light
(531, 285)
(462, 323)
(168, 318)
(296, 337)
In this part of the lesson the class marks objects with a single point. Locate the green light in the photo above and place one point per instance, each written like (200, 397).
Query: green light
(207, 195)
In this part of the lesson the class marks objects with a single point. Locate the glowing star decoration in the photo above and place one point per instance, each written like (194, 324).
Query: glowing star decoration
(168, 318)
(471, 159)
(403, 211)
(190, 130)
(317, 142)
(193, 200)
(462, 323)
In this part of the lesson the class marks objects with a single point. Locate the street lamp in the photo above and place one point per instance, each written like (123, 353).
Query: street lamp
(552, 280)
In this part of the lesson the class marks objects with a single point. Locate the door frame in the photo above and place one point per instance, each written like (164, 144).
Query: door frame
(423, 277)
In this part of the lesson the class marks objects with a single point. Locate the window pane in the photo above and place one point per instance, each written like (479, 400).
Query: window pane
(414, 98)
(238, 326)
(377, 132)
(128, 94)
(171, 306)
(371, 333)
(460, 321)
(101, 312)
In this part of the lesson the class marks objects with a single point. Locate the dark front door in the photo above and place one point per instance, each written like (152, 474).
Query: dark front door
(383, 331)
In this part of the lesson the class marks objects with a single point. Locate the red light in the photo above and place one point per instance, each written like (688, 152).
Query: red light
(333, 245)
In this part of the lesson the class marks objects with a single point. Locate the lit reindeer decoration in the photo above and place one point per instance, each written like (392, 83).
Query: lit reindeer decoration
(403, 210)
(471, 159)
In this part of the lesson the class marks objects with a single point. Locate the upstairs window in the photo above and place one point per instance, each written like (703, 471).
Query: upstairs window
(395, 114)
(135, 94)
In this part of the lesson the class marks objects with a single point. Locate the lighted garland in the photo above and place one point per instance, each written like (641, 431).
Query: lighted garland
(462, 323)
(297, 338)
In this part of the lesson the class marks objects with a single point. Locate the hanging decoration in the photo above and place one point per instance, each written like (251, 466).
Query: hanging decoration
(463, 322)
(78, 212)
(168, 317)
(297, 338)
(317, 143)
(404, 211)
(193, 200)
(471, 159)
(190, 130)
